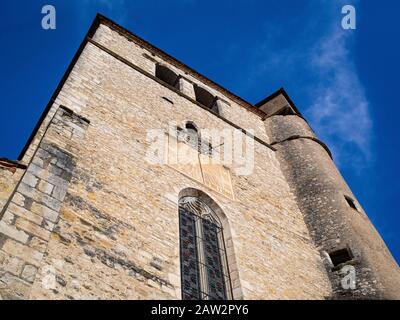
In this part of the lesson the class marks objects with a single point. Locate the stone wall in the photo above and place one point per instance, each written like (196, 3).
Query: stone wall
(32, 212)
(93, 217)
(10, 174)
(320, 191)
(115, 234)
(140, 57)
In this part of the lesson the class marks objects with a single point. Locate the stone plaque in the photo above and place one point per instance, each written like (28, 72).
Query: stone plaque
(199, 167)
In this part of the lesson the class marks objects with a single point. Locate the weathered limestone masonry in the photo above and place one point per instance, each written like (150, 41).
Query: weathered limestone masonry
(320, 191)
(10, 174)
(93, 218)
(33, 208)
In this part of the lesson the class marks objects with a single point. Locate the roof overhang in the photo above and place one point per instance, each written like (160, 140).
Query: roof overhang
(278, 103)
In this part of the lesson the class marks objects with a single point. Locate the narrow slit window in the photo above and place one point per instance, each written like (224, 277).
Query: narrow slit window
(351, 202)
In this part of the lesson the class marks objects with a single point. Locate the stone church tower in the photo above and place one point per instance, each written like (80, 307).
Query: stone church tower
(145, 180)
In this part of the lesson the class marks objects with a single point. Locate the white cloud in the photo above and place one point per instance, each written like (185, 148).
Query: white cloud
(315, 60)
(340, 110)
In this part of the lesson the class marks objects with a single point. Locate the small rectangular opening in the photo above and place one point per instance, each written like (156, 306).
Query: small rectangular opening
(351, 202)
(204, 97)
(340, 256)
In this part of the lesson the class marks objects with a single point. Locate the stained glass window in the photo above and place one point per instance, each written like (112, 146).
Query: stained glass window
(204, 268)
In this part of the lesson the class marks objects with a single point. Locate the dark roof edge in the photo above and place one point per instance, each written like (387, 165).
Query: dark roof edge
(102, 19)
(165, 56)
(13, 163)
(254, 108)
(283, 92)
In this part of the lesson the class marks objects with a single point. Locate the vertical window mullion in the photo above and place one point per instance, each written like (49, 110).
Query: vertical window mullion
(225, 266)
(201, 261)
(189, 261)
(215, 270)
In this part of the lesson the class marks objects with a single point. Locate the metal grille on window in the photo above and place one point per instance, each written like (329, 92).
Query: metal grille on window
(204, 268)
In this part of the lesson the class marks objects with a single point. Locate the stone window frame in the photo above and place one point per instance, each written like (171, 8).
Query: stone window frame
(214, 106)
(203, 146)
(227, 235)
(350, 261)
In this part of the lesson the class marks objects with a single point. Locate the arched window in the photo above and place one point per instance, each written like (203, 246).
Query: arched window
(192, 135)
(167, 75)
(204, 264)
(191, 126)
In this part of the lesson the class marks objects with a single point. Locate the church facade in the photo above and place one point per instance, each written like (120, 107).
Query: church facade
(145, 180)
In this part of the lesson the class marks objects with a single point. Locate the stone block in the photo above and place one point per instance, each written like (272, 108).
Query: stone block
(29, 273)
(45, 187)
(30, 179)
(15, 288)
(14, 266)
(8, 217)
(12, 232)
(45, 212)
(32, 228)
(38, 244)
(23, 252)
(19, 199)
(26, 214)
(59, 193)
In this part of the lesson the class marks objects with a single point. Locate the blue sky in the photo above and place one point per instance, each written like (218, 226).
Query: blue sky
(344, 82)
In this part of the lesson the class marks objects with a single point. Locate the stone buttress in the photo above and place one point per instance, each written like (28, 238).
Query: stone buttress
(32, 211)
